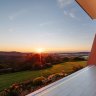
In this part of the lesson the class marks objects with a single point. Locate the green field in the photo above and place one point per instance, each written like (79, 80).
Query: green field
(7, 79)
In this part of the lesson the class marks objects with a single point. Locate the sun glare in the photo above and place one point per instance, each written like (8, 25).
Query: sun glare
(40, 50)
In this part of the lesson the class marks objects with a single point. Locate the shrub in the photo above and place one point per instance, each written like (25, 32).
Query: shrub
(58, 75)
(27, 84)
(76, 68)
(48, 65)
(78, 59)
(14, 90)
(54, 77)
(63, 73)
(38, 81)
(66, 59)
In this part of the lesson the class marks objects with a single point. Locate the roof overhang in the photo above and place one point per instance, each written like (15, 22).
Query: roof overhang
(89, 6)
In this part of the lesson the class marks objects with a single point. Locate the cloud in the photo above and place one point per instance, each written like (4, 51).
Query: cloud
(65, 13)
(64, 3)
(69, 10)
(16, 14)
(70, 14)
(45, 23)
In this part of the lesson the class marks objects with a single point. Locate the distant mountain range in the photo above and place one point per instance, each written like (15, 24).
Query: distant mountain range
(14, 53)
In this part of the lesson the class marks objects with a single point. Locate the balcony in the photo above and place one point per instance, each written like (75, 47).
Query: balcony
(81, 83)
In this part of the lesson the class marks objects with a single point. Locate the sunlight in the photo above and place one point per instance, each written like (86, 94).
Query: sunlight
(40, 50)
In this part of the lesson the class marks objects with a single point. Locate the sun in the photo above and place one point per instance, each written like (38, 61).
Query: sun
(40, 50)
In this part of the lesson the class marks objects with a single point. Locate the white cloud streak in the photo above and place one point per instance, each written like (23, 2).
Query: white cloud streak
(68, 9)
(71, 14)
(46, 23)
(43, 24)
(16, 14)
(64, 3)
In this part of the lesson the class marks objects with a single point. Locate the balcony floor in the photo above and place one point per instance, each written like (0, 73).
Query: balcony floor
(81, 83)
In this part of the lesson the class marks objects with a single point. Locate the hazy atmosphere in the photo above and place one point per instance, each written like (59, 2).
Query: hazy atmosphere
(55, 25)
(43, 43)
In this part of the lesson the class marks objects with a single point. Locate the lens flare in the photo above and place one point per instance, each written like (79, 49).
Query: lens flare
(40, 50)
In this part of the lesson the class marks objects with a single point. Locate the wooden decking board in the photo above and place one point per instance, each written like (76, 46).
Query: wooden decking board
(81, 83)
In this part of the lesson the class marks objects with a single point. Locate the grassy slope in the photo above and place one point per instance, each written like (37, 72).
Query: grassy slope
(7, 79)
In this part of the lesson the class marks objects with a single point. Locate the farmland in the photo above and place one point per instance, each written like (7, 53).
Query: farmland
(8, 79)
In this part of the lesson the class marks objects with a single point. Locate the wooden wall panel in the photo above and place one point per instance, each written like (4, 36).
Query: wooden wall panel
(92, 56)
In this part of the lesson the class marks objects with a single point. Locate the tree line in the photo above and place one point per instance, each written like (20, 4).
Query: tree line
(33, 62)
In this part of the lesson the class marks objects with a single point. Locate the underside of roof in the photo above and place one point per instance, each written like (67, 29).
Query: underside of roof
(89, 6)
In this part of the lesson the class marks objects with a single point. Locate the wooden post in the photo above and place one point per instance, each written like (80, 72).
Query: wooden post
(92, 56)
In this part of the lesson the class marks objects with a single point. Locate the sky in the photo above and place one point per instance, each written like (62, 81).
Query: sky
(55, 25)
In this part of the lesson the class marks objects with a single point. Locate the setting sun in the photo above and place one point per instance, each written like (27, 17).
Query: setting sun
(40, 50)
